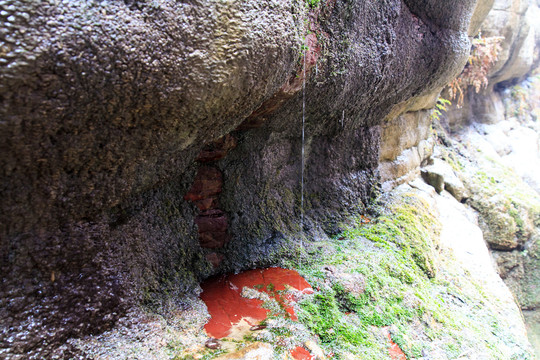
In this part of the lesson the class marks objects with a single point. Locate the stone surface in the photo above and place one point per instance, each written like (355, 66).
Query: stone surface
(532, 318)
(483, 7)
(497, 142)
(235, 301)
(215, 259)
(461, 233)
(521, 271)
(212, 225)
(315, 350)
(441, 176)
(255, 351)
(207, 183)
(513, 20)
(218, 149)
(433, 178)
(406, 143)
(106, 106)
(352, 283)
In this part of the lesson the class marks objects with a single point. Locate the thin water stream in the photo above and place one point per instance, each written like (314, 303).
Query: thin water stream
(303, 158)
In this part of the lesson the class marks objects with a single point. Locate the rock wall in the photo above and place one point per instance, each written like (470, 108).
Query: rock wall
(487, 152)
(146, 145)
(513, 21)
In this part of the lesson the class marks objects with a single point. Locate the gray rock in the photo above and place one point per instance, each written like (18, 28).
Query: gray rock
(441, 176)
(352, 283)
(433, 177)
(513, 20)
(106, 105)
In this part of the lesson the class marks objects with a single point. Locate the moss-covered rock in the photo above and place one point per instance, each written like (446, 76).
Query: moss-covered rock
(409, 283)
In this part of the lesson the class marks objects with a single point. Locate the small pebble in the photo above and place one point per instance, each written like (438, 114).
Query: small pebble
(212, 344)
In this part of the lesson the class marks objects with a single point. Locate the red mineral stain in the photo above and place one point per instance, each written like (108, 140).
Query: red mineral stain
(227, 307)
(299, 353)
(395, 351)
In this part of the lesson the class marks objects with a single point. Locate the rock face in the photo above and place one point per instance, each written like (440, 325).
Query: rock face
(147, 145)
(515, 21)
(493, 166)
(406, 143)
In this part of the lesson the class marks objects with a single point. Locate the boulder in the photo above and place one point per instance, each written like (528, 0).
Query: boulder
(441, 176)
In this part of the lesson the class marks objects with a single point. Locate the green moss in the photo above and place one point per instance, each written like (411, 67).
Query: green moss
(313, 3)
(395, 255)
(409, 228)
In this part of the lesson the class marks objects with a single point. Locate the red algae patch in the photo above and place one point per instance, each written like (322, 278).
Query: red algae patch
(395, 351)
(228, 309)
(299, 353)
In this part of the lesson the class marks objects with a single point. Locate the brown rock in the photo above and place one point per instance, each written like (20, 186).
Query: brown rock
(218, 149)
(207, 183)
(213, 240)
(215, 259)
(208, 203)
(216, 221)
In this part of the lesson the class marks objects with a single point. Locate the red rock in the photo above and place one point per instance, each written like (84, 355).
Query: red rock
(395, 351)
(218, 149)
(213, 240)
(207, 183)
(211, 223)
(312, 53)
(208, 203)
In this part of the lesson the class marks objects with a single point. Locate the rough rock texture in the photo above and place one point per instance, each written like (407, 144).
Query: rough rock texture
(515, 21)
(498, 129)
(406, 144)
(498, 163)
(441, 176)
(482, 9)
(521, 271)
(111, 109)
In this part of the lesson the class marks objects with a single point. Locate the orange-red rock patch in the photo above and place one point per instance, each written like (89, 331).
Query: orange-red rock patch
(299, 353)
(227, 308)
(395, 351)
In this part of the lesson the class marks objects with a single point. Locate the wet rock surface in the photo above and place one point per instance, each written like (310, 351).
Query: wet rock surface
(106, 107)
(441, 176)
(496, 161)
(229, 304)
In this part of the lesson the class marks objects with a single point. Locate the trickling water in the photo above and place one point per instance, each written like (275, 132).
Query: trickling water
(302, 161)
